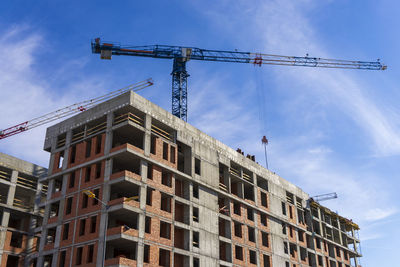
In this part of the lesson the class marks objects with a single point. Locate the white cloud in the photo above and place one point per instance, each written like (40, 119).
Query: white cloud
(24, 95)
(313, 98)
(377, 214)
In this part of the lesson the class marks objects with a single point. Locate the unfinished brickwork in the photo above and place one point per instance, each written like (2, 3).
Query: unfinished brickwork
(170, 195)
(19, 214)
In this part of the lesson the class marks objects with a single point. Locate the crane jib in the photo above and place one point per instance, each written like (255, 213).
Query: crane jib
(181, 55)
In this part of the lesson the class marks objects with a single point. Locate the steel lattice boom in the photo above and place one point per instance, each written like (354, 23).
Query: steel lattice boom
(70, 110)
(181, 55)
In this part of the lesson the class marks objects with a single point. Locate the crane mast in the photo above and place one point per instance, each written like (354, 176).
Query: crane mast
(181, 55)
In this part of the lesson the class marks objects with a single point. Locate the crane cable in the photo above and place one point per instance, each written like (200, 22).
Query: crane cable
(262, 110)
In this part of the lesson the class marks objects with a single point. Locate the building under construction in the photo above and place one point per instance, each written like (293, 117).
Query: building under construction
(19, 216)
(129, 184)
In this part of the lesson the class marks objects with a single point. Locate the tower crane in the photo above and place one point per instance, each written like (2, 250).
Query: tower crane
(72, 109)
(181, 55)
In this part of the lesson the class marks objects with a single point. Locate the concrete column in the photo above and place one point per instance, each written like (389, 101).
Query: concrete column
(6, 214)
(104, 215)
(147, 135)
(33, 222)
(108, 141)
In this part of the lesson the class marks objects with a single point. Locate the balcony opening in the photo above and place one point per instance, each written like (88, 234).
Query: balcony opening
(149, 196)
(197, 166)
(251, 234)
(236, 187)
(126, 162)
(65, 231)
(249, 192)
(99, 139)
(24, 198)
(164, 258)
(147, 225)
(182, 188)
(184, 158)
(311, 259)
(253, 257)
(61, 140)
(57, 184)
(166, 178)
(54, 208)
(237, 208)
(181, 260)
(82, 227)
(63, 255)
(71, 179)
(195, 190)
(320, 260)
(68, 208)
(196, 262)
(98, 170)
(153, 141)
(195, 214)
(165, 230)
(16, 240)
(18, 220)
(300, 216)
(146, 254)
(85, 201)
(225, 251)
(267, 261)
(93, 223)
(46, 261)
(301, 235)
(250, 214)
(181, 238)
(224, 228)
(238, 253)
(165, 151)
(51, 235)
(196, 239)
(122, 248)
(262, 183)
(124, 189)
(72, 155)
(309, 242)
(172, 154)
(264, 239)
(150, 171)
(303, 254)
(263, 219)
(88, 151)
(124, 218)
(3, 193)
(88, 171)
(182, 212)
(283, 208)
(89, 258)
(224, 205)
(128, 135)
(238, 229)
(95, 201)
(166, 202)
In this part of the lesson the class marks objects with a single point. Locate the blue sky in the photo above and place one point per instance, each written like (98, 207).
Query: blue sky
(329, 130)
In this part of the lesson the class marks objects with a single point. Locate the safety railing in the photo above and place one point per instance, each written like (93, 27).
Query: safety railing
(161, 132)
(27, 182)
(96, 129)
(129, 117)
(19, 203)
(5, 175)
